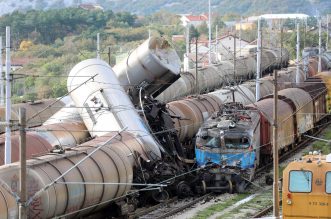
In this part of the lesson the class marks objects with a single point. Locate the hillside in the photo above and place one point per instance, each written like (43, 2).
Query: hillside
(245, 7)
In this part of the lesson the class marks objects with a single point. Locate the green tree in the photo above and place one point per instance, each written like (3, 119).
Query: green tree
(194, 33)
(203, 29)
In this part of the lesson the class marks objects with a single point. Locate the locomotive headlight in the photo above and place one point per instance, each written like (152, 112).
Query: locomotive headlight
(289, 199)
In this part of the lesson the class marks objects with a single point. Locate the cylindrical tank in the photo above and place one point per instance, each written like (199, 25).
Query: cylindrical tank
(312, 67)
(190, 113)
(182, 87)
(42, 139)
(152, 66)
(104, 104)
(113, 163)
(67, 114)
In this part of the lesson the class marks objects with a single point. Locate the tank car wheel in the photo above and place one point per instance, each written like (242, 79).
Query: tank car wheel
(230, 186)
(203, 187)
(183, 190)
(160, 196)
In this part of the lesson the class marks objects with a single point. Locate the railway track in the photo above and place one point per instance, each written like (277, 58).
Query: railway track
(265, 211)
(168, 208)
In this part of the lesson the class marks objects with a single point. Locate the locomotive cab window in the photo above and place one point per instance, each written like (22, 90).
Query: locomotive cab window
(239, 142)
(300, 181)
(213, 142)
(328, 182)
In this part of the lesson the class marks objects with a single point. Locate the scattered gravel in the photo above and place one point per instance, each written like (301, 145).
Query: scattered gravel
(190, 213)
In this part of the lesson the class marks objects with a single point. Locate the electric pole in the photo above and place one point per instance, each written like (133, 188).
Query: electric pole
(196, 67)
(8, 100)
(109, 55)
(209, 25)
(22, 183)
(258, 60)
(98, 45)
(2, 98)
(275, 150)
(234, 58)
(281, 47)
(297, 77)
(327, 32)
(319, 44)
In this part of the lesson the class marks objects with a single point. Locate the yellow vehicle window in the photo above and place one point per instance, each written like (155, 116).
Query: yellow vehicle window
(328, 182)
(300, 181)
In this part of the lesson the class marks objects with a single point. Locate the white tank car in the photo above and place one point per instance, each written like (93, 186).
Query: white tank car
(104, 105)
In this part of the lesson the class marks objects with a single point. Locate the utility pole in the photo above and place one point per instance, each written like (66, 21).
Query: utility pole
(275, 150)
(8, 100)
(209, 25)
(258, 60)
(319, 44)
(281, 46)
(234, 57)
(327, 32)
(216, 39)
(196, 67)
(306, 27)
(2, 96)
(22, 183)
(297, 77)
(109, 55)
(186, 60)
(98, 45)
(240, 36)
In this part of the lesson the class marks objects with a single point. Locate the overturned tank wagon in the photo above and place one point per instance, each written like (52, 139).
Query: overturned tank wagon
(103, 176)
(104, 104)
(153, 67)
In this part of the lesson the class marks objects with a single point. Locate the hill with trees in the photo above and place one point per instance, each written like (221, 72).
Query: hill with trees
(143, 7)
(55, 40)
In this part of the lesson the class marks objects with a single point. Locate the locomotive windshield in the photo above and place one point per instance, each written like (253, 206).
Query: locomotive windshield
(213, 142)
(235, 141)
(230, 141)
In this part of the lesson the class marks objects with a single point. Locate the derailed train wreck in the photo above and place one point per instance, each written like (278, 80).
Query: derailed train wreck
(132, 148)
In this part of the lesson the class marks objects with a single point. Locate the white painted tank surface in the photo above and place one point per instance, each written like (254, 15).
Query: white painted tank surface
(152, 66)
(104, 105)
